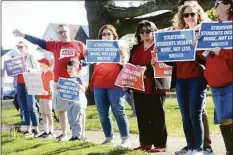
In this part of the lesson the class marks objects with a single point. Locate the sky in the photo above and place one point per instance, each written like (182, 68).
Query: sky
(33, 17)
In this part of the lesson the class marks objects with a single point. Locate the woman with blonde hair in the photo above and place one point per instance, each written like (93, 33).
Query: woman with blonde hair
(190, 82)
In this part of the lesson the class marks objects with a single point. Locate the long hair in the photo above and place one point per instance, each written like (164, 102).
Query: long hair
(148, 25)
(109, 27)
(230, 11)
(178, 21)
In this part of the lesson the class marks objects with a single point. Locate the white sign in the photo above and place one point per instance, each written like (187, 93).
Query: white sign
(34, 83)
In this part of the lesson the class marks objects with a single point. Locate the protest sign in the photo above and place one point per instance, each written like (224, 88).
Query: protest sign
(161, 70)
(215, 34)
(132, 77)
(68, 89)
(106, 51)
(14, 66)
(175, 45)
(34, 84)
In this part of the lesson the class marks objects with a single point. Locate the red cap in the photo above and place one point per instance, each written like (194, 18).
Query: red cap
(45, 61)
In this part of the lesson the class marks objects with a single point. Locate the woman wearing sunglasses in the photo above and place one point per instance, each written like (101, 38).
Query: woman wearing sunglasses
(107, 95)
(190, 83)
(218, 73)
(149, 103)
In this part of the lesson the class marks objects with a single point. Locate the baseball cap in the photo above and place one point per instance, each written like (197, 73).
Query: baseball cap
(45, 61)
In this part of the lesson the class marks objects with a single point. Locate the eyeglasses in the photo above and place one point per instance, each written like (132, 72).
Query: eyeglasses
(19, 47)
(192, 14)
(106, 34)
(147, 31)
(61, 32)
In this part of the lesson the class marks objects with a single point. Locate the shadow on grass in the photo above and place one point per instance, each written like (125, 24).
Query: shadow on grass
(116, 151)
(7, 141)
(92, 116)
(74, 148)
(20, 150)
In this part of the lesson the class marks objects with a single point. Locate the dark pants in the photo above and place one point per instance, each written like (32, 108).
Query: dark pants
(151, 119)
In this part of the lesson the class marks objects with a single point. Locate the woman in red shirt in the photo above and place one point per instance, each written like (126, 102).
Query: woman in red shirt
(107, 95)
(218, 74)
(149, 103)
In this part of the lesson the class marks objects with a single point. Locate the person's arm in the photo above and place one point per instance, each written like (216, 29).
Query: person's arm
(40, 42)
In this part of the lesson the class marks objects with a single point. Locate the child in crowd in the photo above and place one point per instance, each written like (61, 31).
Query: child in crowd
(45, 101)
(76, 109)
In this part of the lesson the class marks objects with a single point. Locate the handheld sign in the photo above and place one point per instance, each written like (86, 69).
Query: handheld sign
(215, 34)
(68, 89)
(14, 66)
(132, 77)
(105, 51)
(34, 84)
(175, 45)
(161, 70)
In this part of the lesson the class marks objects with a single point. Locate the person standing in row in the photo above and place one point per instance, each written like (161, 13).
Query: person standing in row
(107, 95)
(149, 103)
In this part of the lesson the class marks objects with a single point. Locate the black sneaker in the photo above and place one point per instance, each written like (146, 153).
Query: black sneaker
(28, 134)
(49, 135)
(42, 135)
(207, 151)
(74, 139)
(36, 134)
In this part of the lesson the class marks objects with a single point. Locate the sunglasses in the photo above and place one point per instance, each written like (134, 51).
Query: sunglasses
(19, 47)
(106, 34)
(186, 15)
(61, 32)
(145, 31)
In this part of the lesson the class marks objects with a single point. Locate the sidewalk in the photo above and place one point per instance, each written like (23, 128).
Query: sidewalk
(174, 143)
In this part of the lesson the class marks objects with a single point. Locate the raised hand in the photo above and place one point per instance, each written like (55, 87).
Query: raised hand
(17, 33)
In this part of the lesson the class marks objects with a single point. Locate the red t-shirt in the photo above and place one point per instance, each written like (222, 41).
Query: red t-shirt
(104, 75)
(20, 79)
(143, 57)
(46, 77)
(63, 52)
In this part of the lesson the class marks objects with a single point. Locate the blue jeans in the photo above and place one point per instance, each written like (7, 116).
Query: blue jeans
(191, 95)
(114, 97)
(130, 100)
(28, 105)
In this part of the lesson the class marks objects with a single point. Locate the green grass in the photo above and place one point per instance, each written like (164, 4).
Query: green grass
(16, 144)
(173, 118)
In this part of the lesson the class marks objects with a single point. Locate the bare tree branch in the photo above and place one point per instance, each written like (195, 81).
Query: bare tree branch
(130, 12)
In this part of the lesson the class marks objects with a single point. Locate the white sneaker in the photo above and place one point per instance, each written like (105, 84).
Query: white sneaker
(108, 141)
(125, 143)
(190, 152)
(195, 152)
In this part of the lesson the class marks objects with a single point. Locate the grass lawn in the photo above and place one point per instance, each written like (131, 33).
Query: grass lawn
(173, 118)
(16, 144)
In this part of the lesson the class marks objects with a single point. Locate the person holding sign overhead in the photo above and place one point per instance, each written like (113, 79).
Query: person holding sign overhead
(63, 51)
(27, 102)
(149, 103)
(218, 74)
(107, 95)
(190, 83)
